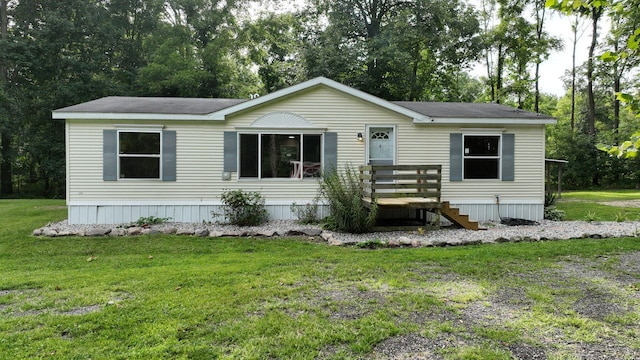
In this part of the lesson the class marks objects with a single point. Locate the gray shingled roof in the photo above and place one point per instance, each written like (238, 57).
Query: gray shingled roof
(202, 106)
(152, 105)
(469, 110)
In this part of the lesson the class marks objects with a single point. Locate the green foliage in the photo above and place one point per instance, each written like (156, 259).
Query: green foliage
(554, 214)
(243, 208)
(550, 210)
(620, 216)
(372, 244)
(550, 199)
(590, 216)
(343, 192)
(307, 213)
(150, 220)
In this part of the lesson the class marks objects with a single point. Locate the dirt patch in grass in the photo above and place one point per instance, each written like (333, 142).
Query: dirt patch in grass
(622, 203)
(584, 292)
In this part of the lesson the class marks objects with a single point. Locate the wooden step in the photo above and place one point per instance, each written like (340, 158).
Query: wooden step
(453, 215)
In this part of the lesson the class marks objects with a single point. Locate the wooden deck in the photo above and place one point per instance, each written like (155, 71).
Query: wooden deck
(414, 187)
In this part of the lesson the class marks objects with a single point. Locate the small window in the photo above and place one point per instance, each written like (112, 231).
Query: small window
(481, 157)
(280, 155)
(139, 155)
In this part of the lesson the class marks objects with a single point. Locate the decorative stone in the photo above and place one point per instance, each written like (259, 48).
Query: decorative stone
(403, 240)
(170, 230)
(415, 243)
(50, 232)
(134, 230)
(266, 233)
(394, 243)
(65, 233)
(97, 232)
(185, 232)
(149, 231)
(215, 234)
(202, 232)
(37, 232)
(326, 235)
(311, 232)
(501, 240)
(334, 242)
(118, 232)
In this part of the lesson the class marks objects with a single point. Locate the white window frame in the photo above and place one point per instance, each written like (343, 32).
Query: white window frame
(121, 155)
(498, 157)
(259, 155)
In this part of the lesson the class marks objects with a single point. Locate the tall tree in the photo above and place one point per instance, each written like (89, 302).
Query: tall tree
(6, 158)
(617, 42)
(394, 49)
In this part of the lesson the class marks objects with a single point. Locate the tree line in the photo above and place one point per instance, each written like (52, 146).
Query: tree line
(58, 53)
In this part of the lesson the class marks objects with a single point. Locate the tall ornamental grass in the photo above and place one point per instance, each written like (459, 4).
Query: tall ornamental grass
(343, 192)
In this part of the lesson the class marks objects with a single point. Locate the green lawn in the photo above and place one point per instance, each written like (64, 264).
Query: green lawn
(153, 297)
(589, 205)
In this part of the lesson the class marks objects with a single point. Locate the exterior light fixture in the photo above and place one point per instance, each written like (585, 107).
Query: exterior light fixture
(360, 138)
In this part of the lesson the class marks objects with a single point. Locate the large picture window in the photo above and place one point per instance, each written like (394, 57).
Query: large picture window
(280, 155)
(139, 155)
(481, 157)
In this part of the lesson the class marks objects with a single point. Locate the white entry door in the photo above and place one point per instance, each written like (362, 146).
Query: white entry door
(382, 145)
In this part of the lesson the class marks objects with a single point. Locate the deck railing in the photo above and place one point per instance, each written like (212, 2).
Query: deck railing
(401, 181)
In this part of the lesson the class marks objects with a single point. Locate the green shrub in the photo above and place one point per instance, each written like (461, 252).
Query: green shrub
(149, 220)
(243, 208)
(307, 213)
(551, 213)
(343, 193)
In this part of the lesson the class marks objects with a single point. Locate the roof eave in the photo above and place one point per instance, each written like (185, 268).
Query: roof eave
(60, 115)
(486, 121)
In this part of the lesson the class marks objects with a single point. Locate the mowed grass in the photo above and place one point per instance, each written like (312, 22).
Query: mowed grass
(152, 297)
(588, 205)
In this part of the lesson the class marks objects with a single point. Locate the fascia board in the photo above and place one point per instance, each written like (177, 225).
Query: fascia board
(488, 121)
(124, 116)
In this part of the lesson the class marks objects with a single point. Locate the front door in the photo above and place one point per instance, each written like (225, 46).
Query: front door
(382, 145)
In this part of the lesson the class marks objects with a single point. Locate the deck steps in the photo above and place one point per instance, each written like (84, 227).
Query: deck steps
(453, 215)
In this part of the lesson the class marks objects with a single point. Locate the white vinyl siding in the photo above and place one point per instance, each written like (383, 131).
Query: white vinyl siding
(200, 155)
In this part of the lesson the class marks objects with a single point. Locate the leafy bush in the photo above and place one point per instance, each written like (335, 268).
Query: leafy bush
(307, 213)
(343, 192)
(551, 213)
(149, 220)
(243, 208)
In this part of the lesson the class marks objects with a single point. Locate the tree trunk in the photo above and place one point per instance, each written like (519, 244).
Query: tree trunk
(573, 75)
(591, 114)
(499, 69)
(540, 15)
(6, 185)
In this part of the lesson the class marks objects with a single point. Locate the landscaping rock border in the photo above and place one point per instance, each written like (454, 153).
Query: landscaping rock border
(494, 233)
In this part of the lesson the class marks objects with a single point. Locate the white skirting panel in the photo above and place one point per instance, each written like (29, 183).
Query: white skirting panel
(195, 213)
(493, 212)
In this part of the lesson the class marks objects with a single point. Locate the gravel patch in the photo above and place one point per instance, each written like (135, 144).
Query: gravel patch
(494, 232)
